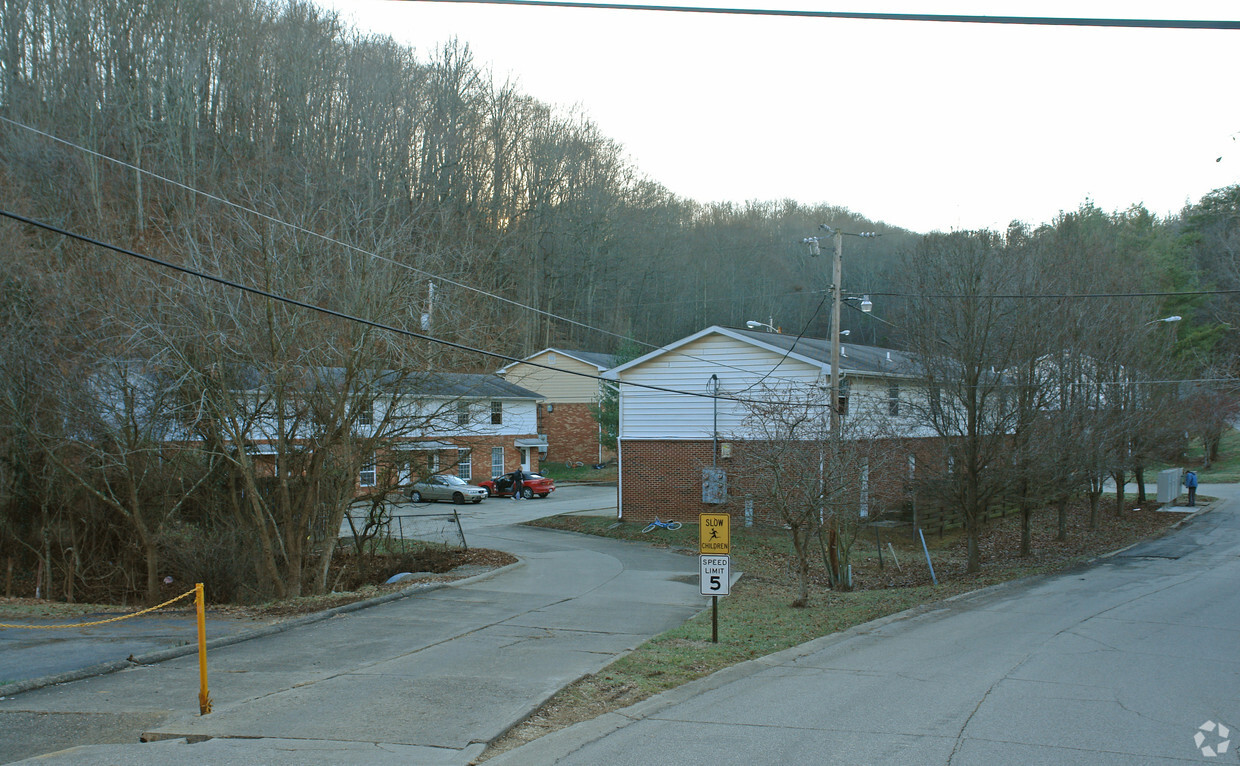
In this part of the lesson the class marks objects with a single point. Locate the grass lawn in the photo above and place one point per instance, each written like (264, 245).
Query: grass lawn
(756, 619)
(1224, 470)
(585, 473)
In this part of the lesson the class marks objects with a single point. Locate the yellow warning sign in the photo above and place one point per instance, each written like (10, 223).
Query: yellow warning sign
(714, 533)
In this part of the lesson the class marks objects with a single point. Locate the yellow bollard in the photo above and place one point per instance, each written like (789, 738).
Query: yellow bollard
(204, 699)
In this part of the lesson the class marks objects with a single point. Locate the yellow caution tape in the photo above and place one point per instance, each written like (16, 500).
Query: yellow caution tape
(102, 622)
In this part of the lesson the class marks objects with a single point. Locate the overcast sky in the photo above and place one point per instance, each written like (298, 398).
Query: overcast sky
(921, 125)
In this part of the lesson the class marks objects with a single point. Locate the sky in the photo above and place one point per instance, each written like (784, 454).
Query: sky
(928, 126)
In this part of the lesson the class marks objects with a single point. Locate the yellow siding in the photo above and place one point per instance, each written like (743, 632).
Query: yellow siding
(559, 384)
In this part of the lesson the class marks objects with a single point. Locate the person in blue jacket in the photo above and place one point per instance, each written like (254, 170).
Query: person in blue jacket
(1190, 481)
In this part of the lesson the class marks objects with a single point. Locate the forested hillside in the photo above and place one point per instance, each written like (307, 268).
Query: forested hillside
(267, 144)
(424, 159)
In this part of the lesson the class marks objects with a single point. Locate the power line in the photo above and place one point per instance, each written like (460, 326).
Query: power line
(332, 240)
(1044, 21)
(323, 237)
(1060, 296)
(421, 336)
(340, 314)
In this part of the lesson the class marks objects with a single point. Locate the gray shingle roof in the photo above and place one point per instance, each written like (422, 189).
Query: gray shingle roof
(854, 357)
(596, 358)
(439, 384)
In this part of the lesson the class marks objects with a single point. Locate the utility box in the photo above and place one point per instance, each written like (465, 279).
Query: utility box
(1169, 482)
(714, 486)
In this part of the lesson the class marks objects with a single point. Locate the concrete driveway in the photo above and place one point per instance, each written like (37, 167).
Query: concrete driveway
(1132, 661)
(427, 679)
(436, 521)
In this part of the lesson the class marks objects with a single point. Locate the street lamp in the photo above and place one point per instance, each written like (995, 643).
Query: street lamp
(754, 324)
(1168, 320)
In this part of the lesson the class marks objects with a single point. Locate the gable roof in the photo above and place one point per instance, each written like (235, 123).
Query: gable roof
(854, 358)
(594, 358)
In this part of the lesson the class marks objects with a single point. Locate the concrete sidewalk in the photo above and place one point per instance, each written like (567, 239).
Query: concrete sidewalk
(428, 679)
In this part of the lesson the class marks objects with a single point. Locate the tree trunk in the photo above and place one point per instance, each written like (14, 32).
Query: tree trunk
(1095, 499)
(1139, 477)
(1119, 492)
(801, 546)
(1061, 509)
(1026, 532)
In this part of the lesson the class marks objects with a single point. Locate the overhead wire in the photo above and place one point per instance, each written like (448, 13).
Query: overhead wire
(339, 314)
(1054, 21)
(334, 241)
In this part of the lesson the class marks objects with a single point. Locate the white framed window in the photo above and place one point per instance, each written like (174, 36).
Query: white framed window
(893, 399)
(497, 413)
(497, 461)
(462, 413)
(366, 414)
(366, 477)
(465, 464)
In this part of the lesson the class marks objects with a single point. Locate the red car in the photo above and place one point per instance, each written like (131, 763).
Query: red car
(531, 484)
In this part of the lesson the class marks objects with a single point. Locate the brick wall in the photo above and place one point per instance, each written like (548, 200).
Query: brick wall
(572, 434)
(664, 478)
(480, 454)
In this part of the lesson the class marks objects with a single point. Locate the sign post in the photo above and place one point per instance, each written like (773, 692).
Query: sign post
(715, 562)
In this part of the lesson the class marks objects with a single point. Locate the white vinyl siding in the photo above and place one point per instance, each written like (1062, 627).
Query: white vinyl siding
(650, 414)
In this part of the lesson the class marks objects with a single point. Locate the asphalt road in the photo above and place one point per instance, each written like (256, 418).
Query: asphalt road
(1126, 662)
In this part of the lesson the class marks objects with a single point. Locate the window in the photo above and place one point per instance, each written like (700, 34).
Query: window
(845, 388)
(893, 399)
(432, 462)
(465, 464)
(366, 414)
(367, 476)
(497, 461)
(497, 413)
(462, 413)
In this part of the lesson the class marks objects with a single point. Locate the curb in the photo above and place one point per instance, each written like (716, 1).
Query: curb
(559, 744)
(162, 655)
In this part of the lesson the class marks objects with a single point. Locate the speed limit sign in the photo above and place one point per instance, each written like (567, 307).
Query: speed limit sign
(716, 574)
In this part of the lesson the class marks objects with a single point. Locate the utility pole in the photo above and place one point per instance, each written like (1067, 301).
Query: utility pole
(837, 300)
(837, 273)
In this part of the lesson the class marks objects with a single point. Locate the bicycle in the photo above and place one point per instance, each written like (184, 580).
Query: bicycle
(662, 525)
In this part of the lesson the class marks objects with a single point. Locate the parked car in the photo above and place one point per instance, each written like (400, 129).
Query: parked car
(532, 484)
(451, 488)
